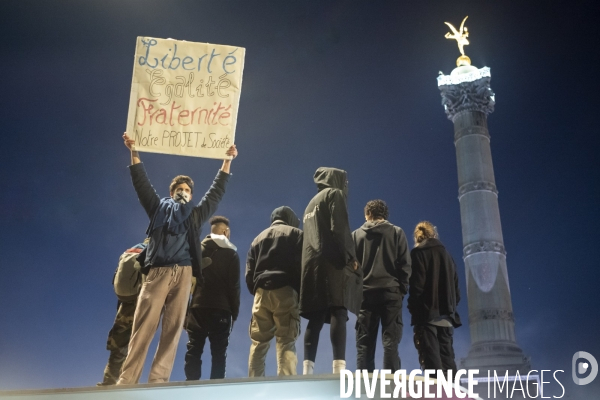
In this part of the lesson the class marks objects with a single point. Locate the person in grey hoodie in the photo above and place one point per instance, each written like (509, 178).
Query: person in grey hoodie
(382, 250)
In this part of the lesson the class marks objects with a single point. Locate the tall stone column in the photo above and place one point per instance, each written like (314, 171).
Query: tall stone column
(468, 99)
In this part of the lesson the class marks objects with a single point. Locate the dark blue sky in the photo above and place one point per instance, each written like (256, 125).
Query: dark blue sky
(326, 83)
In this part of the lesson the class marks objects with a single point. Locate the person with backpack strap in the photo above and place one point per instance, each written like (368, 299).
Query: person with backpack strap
(127, 282)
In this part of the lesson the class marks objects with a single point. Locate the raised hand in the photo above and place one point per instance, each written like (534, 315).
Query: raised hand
(128, 141)
(232, 151)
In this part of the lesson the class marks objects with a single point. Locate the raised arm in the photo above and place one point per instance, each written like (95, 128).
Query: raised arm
(231, 152)
(146, 193)
(209, 203)
(135, 156)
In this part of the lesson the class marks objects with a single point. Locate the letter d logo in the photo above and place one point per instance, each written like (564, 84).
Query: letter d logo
(591, 361)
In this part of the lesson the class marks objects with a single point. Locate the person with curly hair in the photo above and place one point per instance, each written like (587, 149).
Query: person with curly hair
(382, 250)
(433, 299)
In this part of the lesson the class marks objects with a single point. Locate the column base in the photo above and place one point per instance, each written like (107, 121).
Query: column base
(499, 356)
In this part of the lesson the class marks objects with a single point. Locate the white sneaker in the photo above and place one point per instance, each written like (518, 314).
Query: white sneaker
(338, 366)
(308, 367)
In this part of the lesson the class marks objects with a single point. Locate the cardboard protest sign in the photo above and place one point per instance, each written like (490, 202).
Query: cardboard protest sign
(184, 97)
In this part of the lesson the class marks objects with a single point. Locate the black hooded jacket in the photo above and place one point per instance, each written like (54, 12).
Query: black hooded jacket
(328, 253)
(275, 255)
(221, 288)
(433, 290)
(383, 252)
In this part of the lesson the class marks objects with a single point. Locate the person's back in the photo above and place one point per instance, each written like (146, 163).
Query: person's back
(221, 278)
(433, 299)
(331, 283)
(382, 250)
(215, 306)
(273, 277)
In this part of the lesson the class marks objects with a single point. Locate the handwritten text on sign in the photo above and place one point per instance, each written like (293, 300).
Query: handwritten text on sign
(184, 97)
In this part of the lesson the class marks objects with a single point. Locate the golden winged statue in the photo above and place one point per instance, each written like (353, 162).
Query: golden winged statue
(460, 36)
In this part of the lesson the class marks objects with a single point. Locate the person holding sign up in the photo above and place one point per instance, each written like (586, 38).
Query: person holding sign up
(173, 255)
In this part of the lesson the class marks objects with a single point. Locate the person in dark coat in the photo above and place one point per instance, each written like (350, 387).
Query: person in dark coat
(215, 305)
(273, 278)
(383, 252)
(432, 301)
(331, 281)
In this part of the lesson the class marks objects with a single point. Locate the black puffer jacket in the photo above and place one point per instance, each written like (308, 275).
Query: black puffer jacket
(382, 250)
(328, 253)
(221, 288)
(433, 290)
(274, 258)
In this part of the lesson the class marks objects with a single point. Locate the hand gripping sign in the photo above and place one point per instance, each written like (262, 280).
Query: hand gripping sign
(184, 97)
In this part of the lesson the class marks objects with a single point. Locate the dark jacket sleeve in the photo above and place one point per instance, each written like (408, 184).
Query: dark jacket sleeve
(145, 192)
(340, 227)
(297, 271)
(417, 284)
(403, 261)
(209, 203)
(234, 286)
(357, 247)
(250, 268)
(457, 290)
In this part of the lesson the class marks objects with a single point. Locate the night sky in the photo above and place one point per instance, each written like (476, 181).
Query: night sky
(346, 84)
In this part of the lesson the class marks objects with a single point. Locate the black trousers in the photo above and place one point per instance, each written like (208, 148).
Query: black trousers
(337, 317)
(379, 306)
(434, 345)
(215, 325)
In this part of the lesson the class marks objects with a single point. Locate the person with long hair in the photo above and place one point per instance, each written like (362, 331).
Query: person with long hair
(433, 298)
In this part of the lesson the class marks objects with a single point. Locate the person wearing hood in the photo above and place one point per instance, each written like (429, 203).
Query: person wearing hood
(120, 333)
(273, 277)
(215, 305)
(170, 259)
(383, 252)
(433, 299)
(331, 279)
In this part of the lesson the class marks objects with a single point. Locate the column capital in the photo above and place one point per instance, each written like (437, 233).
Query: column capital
(467, 92)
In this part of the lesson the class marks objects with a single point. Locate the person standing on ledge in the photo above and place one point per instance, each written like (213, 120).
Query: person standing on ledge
(433, 297)
(216, 305)
(383, 252)
(273, 278)
(331, 280)
(171, 258)
(129, 275)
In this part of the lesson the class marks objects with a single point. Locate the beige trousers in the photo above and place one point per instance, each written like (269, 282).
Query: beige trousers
(165, 292)
(274, 313)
